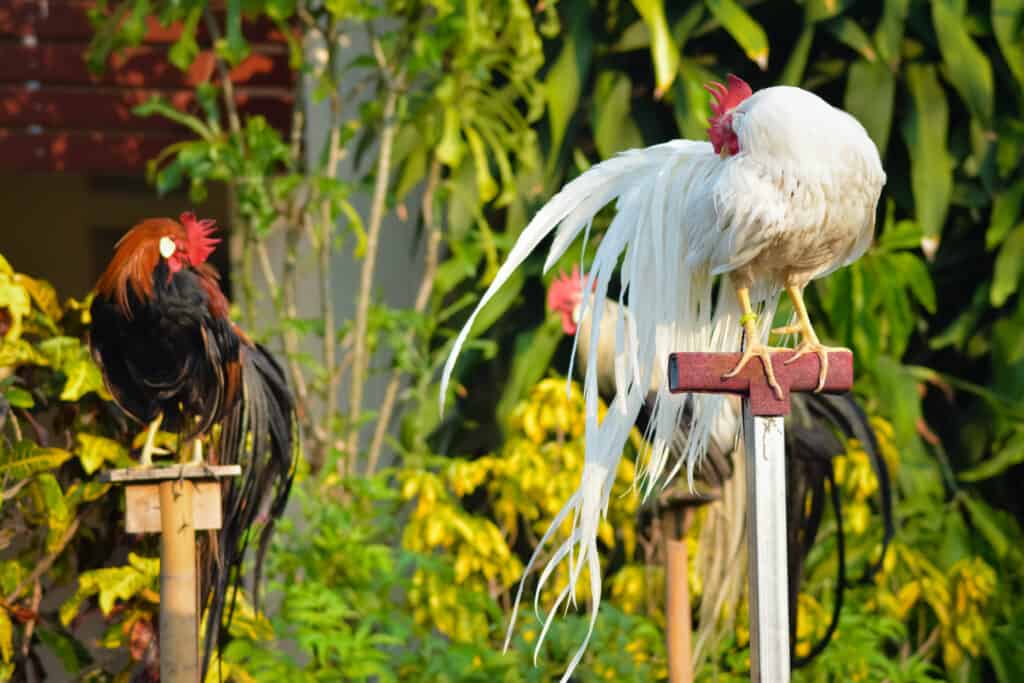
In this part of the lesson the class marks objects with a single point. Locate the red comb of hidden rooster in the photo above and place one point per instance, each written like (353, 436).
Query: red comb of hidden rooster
(200, 242)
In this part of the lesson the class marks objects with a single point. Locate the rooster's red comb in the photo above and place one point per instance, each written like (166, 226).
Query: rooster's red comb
(199, 242)
(727, 98)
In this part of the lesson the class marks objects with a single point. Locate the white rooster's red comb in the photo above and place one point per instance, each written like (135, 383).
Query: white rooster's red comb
(727, 98)
(198, 237)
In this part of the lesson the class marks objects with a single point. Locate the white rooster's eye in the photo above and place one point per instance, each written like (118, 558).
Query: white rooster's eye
(167, 247)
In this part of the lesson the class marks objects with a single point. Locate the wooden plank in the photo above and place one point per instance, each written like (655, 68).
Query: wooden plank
(80, 151)
(69, 20)
(704, 373)
(99, 108)
(142, 506)
(147, 66)
(764, 441)
(171, 472)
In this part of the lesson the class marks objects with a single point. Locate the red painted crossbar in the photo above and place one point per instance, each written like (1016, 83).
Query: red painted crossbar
(702, 373)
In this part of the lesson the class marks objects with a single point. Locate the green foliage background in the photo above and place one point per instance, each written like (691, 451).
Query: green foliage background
(477, 111)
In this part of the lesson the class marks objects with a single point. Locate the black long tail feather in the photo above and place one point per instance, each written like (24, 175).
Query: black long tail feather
(260, 434)
(813, 440)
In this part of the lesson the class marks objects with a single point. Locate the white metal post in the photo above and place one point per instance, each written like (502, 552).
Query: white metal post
(764, 439)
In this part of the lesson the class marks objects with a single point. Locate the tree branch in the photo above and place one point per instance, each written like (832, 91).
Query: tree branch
(360, 359)
(226, 85)
(422, 298)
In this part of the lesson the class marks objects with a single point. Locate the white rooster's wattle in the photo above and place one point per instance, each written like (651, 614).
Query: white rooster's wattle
(785, 192)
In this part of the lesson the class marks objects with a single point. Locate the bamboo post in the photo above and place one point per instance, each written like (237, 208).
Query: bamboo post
(764, 438)
(179, 586)
(175, 502)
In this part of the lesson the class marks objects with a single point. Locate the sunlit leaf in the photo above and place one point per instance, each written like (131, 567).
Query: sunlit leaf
(664, 52)
(926, 130)
(94, 450)
(6, 636)
(742, 27)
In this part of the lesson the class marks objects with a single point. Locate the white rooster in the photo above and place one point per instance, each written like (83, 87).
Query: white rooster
(785, 192)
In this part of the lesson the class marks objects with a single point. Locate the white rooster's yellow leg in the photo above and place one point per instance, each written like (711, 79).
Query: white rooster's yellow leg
(149, 448)
(809, 342)
(754, 347)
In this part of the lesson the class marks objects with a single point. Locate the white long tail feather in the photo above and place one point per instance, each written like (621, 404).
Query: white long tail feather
(664, 233)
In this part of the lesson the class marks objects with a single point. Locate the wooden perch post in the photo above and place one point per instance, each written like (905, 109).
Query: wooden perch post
(175, 502)
(764, 438)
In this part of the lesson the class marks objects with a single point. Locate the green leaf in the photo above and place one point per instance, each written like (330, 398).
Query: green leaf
(988, 523)
(793, 74)
(94, 450)
(25, 459)
(234, 48)
(156, 106)
(486, 188)
(6, 636)
(870, 94)
(967, 68)
(1008, 268)
(534, 350)
(1008, 24)
(915, 273)
(562, 87)
(614, 129)
(926, 130)
(743, 29)
(1006, 208)
(73, 655)
(52, 503)
(185, 50)
(664, 52)
(19, 398)
(889, 34)
(848, 32)
(1011, 454)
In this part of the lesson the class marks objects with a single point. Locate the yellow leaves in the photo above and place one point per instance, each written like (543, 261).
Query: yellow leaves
(26, 459)
(812, 623)
(16, 301)
(94, 450)
(637, 587)
(111, 585)
(6, 636)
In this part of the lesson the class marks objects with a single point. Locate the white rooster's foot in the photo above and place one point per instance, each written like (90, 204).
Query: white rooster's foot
(816, 347)
(763, 352)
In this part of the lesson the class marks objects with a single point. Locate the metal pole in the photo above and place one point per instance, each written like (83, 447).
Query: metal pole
(764, 439)
(179, 626)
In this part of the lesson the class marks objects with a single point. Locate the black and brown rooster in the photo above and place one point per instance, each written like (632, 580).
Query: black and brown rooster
(172, 359)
